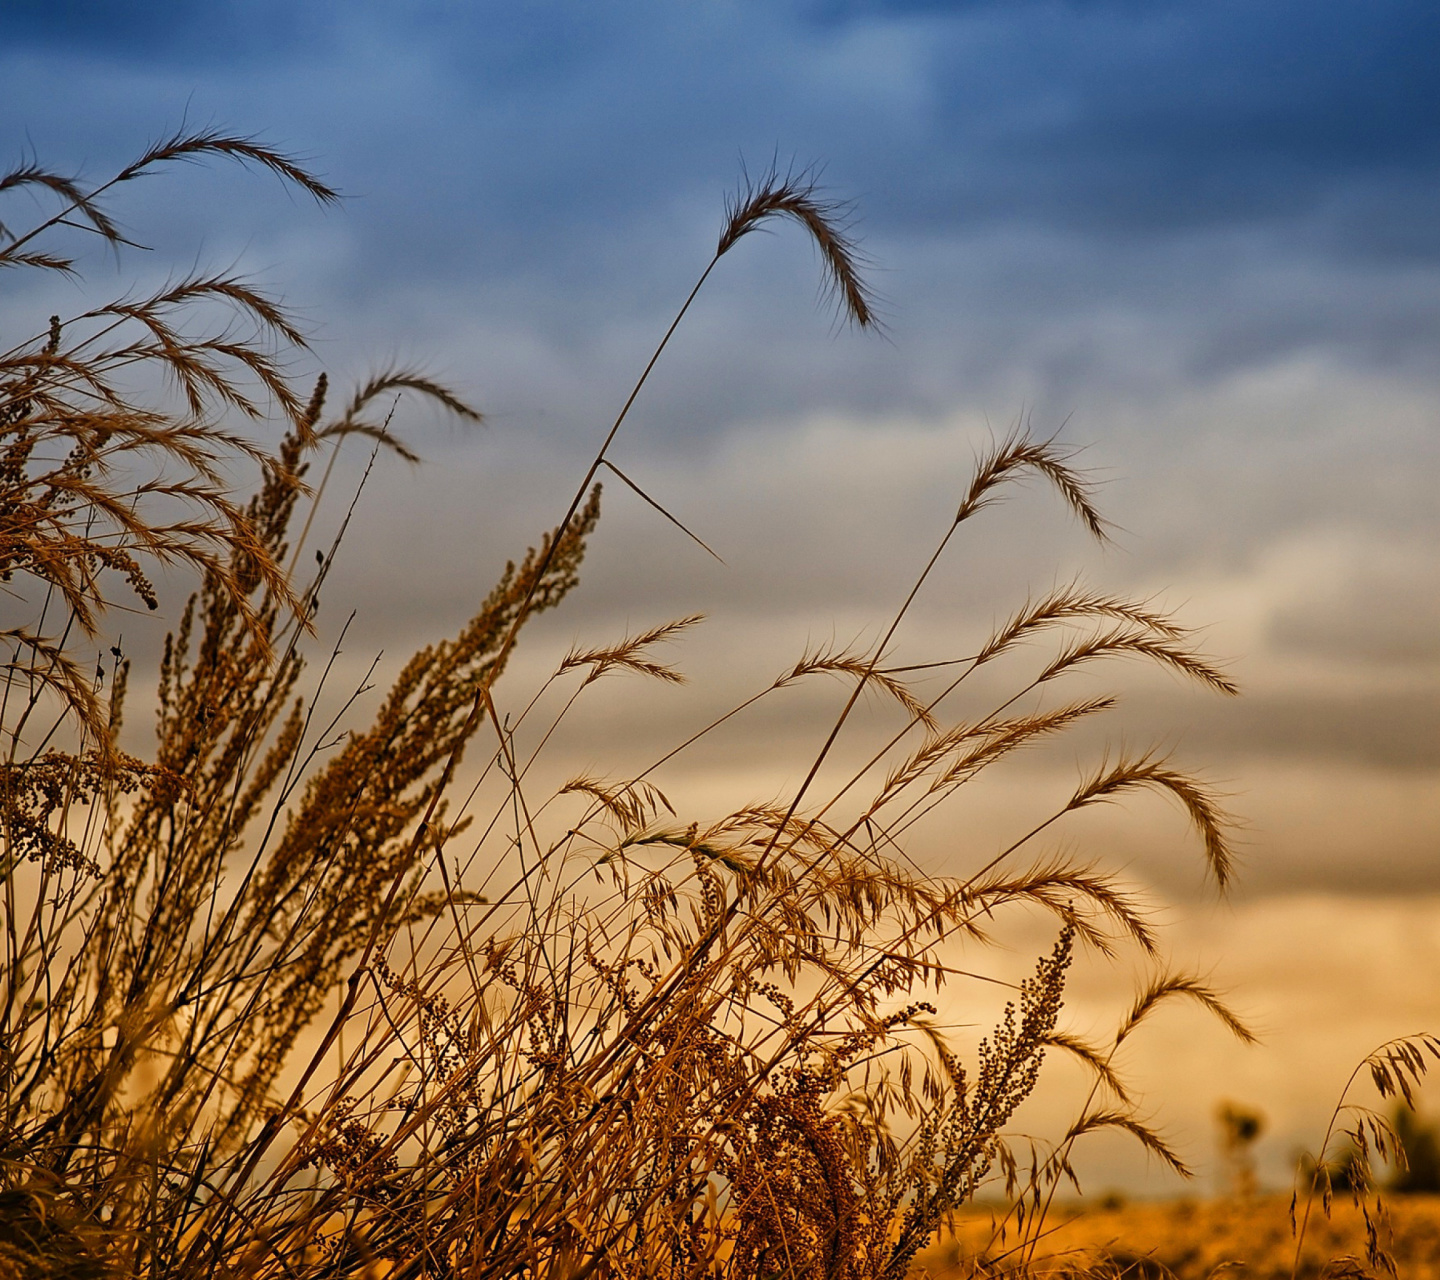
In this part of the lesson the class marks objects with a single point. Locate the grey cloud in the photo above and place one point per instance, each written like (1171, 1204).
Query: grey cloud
(160, 32)
(1384, 730)
(1116, 119)
(1119, 210)
(1387, 615)
(1142, 120)
(563, 174)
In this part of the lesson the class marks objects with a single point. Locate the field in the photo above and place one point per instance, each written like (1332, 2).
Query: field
(1195, 1239)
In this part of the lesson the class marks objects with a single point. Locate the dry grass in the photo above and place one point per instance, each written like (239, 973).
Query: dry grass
(1194, 1240)
(283, 1001)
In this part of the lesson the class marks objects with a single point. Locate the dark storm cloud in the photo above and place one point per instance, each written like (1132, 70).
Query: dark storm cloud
(1113, 120)
(1209, 168)
(1124, 119)
(1109, 119)
(191, 32)
(1234, 184)
(1092, 206)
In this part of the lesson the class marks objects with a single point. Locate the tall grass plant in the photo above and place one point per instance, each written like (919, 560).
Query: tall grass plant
(286, 999)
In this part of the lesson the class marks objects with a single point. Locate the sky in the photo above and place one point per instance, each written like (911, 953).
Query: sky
(1200, 240)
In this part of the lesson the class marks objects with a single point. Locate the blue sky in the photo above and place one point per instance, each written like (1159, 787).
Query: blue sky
(1203, 236)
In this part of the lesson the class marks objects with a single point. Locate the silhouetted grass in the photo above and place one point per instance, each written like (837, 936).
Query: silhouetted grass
(282, 1001)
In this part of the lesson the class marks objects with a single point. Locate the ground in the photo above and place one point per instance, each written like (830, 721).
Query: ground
(1194, 1240)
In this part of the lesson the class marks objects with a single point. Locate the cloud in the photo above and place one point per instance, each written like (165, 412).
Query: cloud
(1206, 232)
(1122, 119)
(161, 31)
(1115, 120)
(1382, 609)
(1030, 177)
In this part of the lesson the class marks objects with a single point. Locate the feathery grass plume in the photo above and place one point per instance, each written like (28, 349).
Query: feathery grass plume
(1032, 1207)
(1058, 884)
(76, 442)
(1000, 737)
(845, 663)
(628, 654)
(181, 145)
(1070, 604)
(1020, 453)
(1122, 641)
(211, 142)
(49, 666)
(1171, 986)
(943, 759)
(1396, 1069)
(322, 1014)
(1142, 772)
(797, 195)
(1126, 1122)
(633, 804)
(353, 420)
(76, 200)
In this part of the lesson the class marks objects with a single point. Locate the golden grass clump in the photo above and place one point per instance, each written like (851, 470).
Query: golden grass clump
(97, 478)
(285, 1000)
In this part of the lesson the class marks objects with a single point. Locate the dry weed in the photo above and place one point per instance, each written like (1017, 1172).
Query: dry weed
(551, 1029)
